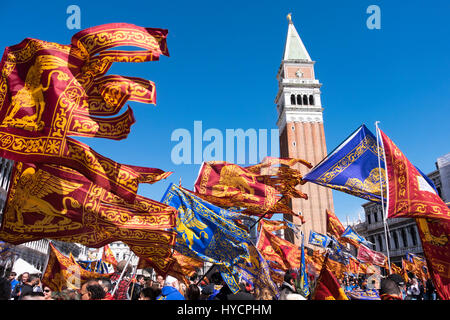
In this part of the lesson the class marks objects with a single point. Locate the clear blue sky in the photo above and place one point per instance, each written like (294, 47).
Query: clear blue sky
(225, 56)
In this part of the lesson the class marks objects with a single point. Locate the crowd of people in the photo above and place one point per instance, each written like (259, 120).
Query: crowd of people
(121, 286)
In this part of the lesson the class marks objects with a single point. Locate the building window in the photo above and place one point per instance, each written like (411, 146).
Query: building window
(299, 100)
(292, 99)
(375, 215)
(380, 239)
(394, 235)
(305, 100)
(311, 100)
(369, 218)
(413, 235)
(404, 239)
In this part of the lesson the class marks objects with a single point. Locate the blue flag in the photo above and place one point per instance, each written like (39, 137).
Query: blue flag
(304, 283)
(319, 239)
(351, 234)
(352, 167)
(208, 232)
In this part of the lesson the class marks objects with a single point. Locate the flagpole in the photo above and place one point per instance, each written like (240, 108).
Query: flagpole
(382, 197)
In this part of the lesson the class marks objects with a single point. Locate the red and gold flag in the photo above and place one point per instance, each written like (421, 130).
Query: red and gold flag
(63, 272)
(180, 266)
(55, 202)
(334, 226)
(328, 287)
(395, 269)
(261, 189)
(410, 195)
(49, 92)
(367, 255)
(273, 248)
(434, 235)
(108, 256)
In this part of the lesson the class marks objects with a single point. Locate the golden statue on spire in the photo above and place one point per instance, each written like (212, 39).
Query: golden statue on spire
(289, 17)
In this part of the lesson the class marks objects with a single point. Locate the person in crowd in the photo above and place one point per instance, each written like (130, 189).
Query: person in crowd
(5, 289)
(264, 294)
(91, 290)
(23, 279)
(287, 289)
(192, 292)
(160, 280)
(213, 288)
(150, 293)
(66, 294)
(28, 286)
(30, 295)
(430, 290)
(121, 292)
(170, 290)
(390, 290)
(47, 293)
(37, 287)
(399, 282)
(134, 291)
(106, 284)
(226, 293)
(413, 291)
(12, 280)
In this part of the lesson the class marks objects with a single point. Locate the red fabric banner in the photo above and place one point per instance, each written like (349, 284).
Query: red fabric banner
(63, 272)
(410, 196)
(370, 256)
(273, 248)
(261, 189)
(58, 203)
(108, 256)
(434, 235)
(328, 287)
(50, 91)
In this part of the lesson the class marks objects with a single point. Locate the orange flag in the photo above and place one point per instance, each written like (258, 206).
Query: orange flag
(63, 272)
(108, 256)
(328, 287)
(273, 248)
(264, 188)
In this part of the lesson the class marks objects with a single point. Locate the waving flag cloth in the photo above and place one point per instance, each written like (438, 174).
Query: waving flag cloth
(49, 92)
(257, 271)
(108, 256)
(319, 239)
(328, 287)
(354, 237)
(273, 248)
(370, 256)
(180, 266)
(63, 272)
(304, 282)
(411, 196)
(352, 167)
(55, 202)
(205, 231)
(260, 189)
(334, 226)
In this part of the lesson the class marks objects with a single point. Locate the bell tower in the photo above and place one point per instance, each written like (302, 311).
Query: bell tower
(300, 123)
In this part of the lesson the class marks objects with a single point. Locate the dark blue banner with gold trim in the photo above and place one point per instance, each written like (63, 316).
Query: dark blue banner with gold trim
(352, 167)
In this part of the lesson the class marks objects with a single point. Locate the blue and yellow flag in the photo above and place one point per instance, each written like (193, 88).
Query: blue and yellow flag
(304, 283)
(208, 232)
(353, 167)
(351, 234)
(318, 239)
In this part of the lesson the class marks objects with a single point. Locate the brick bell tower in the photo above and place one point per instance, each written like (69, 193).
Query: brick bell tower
(300, 123)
